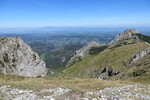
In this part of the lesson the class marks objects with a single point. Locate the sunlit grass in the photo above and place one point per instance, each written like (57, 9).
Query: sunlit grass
(114, 58)
(75, 84)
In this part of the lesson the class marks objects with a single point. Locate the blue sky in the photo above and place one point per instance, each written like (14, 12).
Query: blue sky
(41, 13)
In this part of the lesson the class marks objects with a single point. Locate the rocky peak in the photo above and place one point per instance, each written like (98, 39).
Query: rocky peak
(16, 57)
(131, 31)
(127, 34)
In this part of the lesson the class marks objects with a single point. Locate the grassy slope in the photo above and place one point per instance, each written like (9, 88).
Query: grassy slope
(140, 72)
(42, 56)
(114, 58)
(78, 85)
(144, 38)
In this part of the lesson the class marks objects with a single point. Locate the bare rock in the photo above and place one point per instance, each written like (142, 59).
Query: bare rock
(140, 55)
(16, 57)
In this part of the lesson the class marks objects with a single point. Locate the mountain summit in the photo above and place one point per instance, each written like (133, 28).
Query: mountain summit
(127, 34)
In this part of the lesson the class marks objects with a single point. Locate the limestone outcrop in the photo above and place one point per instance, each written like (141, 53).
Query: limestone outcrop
(16, 57)
(140, 55)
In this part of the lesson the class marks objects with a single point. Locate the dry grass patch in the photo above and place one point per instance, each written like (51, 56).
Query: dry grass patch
(75, 84)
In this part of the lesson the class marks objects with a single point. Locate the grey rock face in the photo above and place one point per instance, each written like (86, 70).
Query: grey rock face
(127, 34)
(140, 55)
(16, 57)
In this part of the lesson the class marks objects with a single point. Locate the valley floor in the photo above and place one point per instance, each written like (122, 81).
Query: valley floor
(24, 88)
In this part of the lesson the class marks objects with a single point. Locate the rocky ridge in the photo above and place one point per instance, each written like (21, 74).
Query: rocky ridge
(83, 52)
(126, 35)
(16, 57)
(117, 60)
